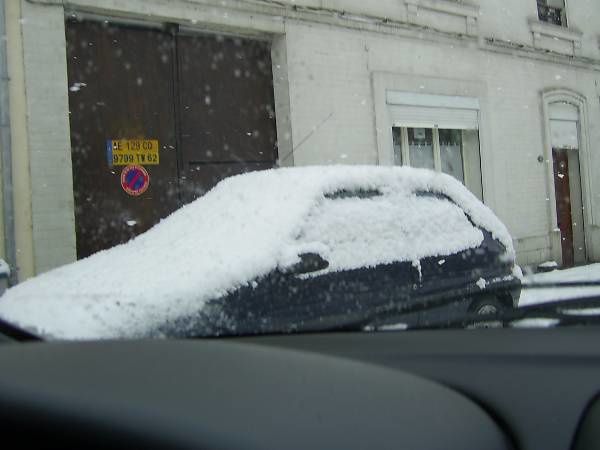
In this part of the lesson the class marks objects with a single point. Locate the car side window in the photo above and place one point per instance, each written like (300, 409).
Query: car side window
(366, 228)
(444, 197)
(353, 193)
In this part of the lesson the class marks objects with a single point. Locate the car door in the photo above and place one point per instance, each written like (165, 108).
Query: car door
(338, 279)
(454, 269)
(352, 227)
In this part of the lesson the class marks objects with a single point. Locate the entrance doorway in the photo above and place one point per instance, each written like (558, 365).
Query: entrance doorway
(158, 116)
(569, 205)
(564, 129)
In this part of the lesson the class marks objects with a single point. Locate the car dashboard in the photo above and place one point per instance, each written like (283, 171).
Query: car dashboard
(468, 389)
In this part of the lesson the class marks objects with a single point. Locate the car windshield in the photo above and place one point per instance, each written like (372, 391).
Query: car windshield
(214, 168)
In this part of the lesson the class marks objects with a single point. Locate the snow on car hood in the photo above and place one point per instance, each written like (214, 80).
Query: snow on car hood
(240, 230)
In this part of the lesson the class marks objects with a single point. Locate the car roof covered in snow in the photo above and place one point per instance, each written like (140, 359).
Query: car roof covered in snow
(242, 229)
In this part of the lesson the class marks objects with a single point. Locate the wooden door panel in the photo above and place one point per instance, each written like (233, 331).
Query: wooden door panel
(226, 105)
(120, 81)
(203, 177)
(563, 204)
(207, 100)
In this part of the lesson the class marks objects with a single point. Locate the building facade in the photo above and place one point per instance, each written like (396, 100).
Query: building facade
(505, 96)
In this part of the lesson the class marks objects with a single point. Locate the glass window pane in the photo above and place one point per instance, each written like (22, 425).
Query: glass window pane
(397, 136)
(552, 11)
(451, 153)
(420, 146)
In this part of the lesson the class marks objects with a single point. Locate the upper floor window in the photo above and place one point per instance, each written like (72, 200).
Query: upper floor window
(552, 11)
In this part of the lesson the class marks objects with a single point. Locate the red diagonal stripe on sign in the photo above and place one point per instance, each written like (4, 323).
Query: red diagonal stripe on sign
(137, 175)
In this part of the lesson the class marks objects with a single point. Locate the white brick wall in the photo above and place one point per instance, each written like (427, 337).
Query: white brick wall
(505, 20)
(330, 63)
(334, 79)
(584, 15)
(330, 94)
(48, 130)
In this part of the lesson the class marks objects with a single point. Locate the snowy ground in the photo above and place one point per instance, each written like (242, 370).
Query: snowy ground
(588, 273)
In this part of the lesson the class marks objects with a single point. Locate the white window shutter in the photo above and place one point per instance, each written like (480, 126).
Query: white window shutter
(408, 109)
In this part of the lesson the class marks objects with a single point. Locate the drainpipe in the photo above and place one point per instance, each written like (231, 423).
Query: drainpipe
(5, 143)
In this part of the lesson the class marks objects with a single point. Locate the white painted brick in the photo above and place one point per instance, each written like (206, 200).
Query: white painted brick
(334, 79)
(46, 86)
(331, 101)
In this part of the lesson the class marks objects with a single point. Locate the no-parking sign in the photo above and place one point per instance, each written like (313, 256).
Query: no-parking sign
(135, 180)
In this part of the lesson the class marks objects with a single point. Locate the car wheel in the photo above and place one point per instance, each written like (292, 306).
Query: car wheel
(487, 306)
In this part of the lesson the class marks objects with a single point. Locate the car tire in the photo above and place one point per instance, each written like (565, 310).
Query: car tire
(487, 306)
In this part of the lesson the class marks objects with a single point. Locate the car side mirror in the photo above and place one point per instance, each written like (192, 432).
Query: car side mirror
(309, 262)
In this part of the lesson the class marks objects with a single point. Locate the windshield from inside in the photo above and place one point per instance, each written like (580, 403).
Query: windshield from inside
(262, 167)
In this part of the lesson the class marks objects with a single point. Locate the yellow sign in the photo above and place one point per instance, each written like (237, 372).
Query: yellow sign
(123, 152)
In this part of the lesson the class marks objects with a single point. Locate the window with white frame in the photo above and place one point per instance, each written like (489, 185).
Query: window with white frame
(437, 132)
(552, 11)
(440, 149)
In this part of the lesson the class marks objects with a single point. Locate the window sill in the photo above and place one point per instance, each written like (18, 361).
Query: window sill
(468, 13)
(544, 32)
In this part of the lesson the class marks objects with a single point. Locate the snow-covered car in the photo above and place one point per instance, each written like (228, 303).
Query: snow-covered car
(288, 249)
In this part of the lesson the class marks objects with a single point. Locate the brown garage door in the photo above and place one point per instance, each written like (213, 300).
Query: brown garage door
(157, 118)
(218, 140)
